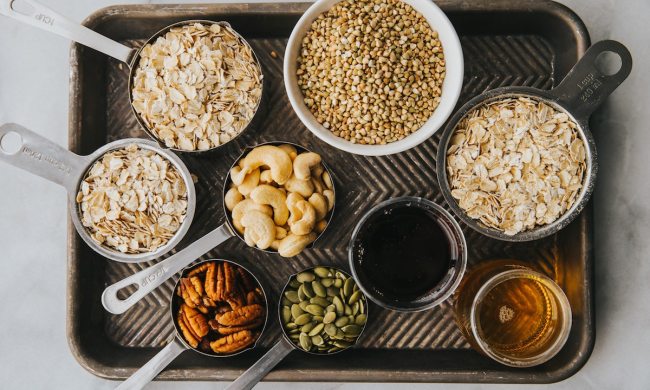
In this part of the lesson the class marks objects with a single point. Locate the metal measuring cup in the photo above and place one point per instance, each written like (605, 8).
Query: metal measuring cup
(38, 15)
(44, 158)
(281, 349)
(148, 279)
(163, 358)
(578, 95)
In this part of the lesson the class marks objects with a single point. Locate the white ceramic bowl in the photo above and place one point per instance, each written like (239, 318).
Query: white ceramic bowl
(450, 89)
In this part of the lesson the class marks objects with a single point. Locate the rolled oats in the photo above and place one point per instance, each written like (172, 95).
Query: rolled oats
(516, 164)
(197, 87)
(132, 200)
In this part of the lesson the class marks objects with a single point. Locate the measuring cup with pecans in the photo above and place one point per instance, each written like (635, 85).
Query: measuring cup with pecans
(130, 200)
(194, 85)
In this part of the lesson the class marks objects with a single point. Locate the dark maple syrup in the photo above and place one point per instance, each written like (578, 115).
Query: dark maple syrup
(403, 253)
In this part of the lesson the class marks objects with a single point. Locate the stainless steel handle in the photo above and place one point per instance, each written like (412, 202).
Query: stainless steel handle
(148, 279)
(258, 371)
(44, 158)
(153, 367)
(35, 14)
(586, 86)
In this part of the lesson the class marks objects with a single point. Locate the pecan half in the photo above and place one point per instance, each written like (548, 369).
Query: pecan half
(226, 330)
(233, 342)
(185, 330)
(241, 315)
(203, 267)
(246, 280)
(211, 281)
(197, 322)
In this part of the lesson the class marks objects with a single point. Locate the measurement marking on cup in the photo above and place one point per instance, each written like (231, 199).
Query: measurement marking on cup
(45, 19)
(588, 86)
(60, 165)
(150, 278)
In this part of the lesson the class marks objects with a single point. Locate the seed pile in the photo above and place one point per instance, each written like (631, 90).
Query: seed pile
(323, 310)
(197, 87)
(371, 71)
(516, 164)
(132, 200)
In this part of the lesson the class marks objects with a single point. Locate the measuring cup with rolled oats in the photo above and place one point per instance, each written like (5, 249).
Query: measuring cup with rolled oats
(519, 163)
(194, 85)
(130, 200)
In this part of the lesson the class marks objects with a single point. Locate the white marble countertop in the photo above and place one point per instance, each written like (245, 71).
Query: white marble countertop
(34, 74)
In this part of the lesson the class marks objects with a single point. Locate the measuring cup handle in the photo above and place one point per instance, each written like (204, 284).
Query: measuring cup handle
(586, 86)
(42, 157)
(153, 367)
(148, 279)
(36, 14)
(258, 371)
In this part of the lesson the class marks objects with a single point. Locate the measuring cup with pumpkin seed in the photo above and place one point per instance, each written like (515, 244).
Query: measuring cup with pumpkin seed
(322, 311)
(44, 158)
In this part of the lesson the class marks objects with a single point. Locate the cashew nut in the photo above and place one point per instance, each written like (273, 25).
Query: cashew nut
(232, 197)
(280, 233)
(319, 203)
(303, 163)
(292, 199)
(237, 175)
(243, 207)
(275, 245)
(265, 177)
(266, 194)
(248, 238)
(292, 245)
(303, 187)
(290, 149)
(327, 180)
(250, 182)
(320, 226)
(273, 157)
(318, 185)
(261, 226)
(329, 194)
(303, 218)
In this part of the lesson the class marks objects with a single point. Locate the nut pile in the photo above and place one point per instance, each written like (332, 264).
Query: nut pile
(323, 310)
(223, 309)
(197, 87)
(280, 198)
(516, 164)
(371, 71)
(132, 200)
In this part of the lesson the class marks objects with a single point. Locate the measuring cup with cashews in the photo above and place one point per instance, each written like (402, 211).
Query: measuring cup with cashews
(278, 197)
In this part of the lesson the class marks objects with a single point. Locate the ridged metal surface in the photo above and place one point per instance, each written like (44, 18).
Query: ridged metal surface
(491, 61)
(425, 346)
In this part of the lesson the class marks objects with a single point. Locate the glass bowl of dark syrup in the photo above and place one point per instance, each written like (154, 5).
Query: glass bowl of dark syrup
(408, 254)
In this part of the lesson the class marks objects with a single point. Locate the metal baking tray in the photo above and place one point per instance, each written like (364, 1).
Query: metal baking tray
(505, 42)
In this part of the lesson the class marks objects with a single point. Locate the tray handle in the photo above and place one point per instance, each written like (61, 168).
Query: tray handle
(263, 366)
(42, 157)
(150, 278)
(587, 86)
(36, 14)
(153, 367)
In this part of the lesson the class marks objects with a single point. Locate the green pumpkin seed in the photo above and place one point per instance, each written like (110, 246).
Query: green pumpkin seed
(327, 282)
(301, 293)
(292, 296)
(355, 297)
(348, 310)
(303, 305)
(322, 272)
(294, 283)
(317, 329)
(285, 302)
(317, 340)
(291, 325)
(294, 331)
(362, 306)
(336, 301)
(294, 337)
(330, 308)
(308, 326)
(318, 318)
(340, 275)
(315, 310)
(319, 289)
(339, 335)
(322, 302)
(332, 292)
(333, 349)
(341, 322)
(355, 308)
(286, 314)
(305, 277)
(330, 329)
(342, 344)
(329, 317)
(352, 329)
(347, 287)
(361, 319)
(303, 319)
(305, 341)
(356, 287)
(296, 311)
(309, 291)
(338, 283)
